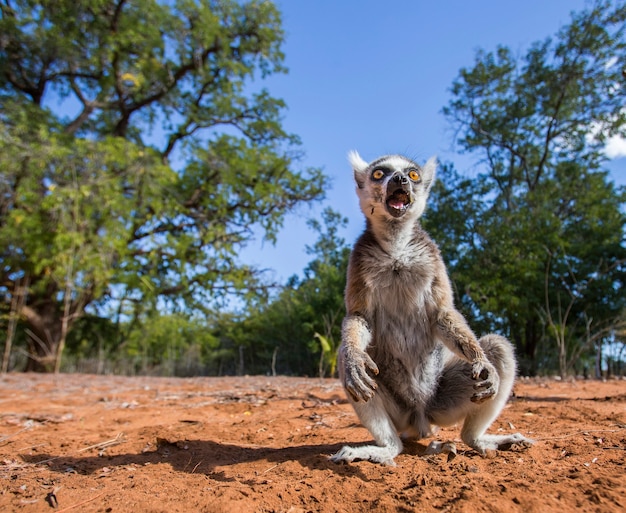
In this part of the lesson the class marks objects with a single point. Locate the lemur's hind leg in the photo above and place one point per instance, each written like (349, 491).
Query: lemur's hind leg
(374, 416)
(458, 398)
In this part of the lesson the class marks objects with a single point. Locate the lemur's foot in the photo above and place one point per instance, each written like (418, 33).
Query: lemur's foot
(373, 453)
(487, 443)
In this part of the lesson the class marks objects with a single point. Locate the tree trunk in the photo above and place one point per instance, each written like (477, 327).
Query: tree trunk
(44, 336)
(65, 326)
(241, 362)
(274, 356)
(562, 344)
(598, 369)
(17, 302)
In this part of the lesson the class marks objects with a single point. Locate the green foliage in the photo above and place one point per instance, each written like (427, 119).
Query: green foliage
(154, 343)
(536, 239)
(329, 354)
(169, 344)
(287, 326)
(136, 158)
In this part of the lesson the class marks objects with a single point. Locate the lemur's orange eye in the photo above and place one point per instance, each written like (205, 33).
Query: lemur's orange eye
(377, 174)
(414, 175)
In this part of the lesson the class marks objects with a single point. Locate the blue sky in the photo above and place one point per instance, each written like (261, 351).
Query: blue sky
(373, 76)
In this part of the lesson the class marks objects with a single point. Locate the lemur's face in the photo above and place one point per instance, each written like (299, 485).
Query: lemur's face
(392, 187)
(393, 181)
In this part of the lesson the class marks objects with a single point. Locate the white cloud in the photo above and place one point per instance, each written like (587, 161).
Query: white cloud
(615, 147)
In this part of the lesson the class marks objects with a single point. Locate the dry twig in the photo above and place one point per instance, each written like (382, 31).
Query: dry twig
(80, 503)
(119, 439)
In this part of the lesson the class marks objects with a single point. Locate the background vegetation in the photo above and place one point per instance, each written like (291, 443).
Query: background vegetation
(137, 157)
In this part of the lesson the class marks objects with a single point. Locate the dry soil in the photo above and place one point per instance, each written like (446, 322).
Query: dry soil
(85, 443)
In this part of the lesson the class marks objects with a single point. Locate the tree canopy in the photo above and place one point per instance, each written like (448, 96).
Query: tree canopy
(138, 154)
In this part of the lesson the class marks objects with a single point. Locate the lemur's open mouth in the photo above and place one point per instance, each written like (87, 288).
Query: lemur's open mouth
(397, 202)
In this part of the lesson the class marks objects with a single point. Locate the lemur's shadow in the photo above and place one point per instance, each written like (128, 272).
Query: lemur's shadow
(204, 457)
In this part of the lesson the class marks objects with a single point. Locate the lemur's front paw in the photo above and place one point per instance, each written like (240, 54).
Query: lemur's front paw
(356, 380)
(487, 381)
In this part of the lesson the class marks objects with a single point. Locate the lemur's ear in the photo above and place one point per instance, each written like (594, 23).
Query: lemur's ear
(429, 170)
(359, 166)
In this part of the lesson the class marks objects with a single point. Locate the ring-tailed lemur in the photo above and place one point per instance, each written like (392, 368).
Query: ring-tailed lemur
(408, 360)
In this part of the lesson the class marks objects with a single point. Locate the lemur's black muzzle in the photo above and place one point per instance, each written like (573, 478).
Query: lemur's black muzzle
(399, 178)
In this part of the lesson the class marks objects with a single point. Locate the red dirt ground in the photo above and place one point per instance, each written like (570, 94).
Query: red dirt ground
(86, 443)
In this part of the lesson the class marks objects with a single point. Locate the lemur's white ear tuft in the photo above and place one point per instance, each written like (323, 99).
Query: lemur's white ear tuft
(357, 163)
(428, 172)
(358, 166)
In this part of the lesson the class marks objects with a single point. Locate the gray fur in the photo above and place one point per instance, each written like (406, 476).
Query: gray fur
(408, 360)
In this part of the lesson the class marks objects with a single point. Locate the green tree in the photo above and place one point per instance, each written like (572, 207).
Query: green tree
(137, 156)
(280, 336)
(324, 284)
(168, 345)
(536, 237)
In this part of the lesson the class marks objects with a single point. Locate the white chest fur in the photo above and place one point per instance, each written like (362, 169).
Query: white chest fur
(402, 280)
